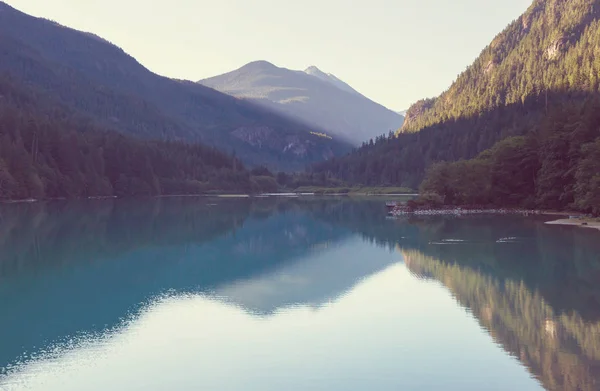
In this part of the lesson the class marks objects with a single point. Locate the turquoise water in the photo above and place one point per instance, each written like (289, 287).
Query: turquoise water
(294, 294)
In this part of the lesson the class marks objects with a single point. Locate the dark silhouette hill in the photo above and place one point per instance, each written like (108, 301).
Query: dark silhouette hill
(100, 80)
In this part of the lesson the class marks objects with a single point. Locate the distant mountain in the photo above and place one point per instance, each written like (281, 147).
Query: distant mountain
(329, 78)
(312, 96)
(95, 78)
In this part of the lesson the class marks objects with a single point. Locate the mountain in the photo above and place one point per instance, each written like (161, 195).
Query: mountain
(97, 79)
(47, 152)
(312, 96)
(330, 78)
(535, 89)
(548, 48)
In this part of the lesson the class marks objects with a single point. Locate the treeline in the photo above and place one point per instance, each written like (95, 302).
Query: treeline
(47, 153)
(555, 166)
(403, 159)
(537, 79)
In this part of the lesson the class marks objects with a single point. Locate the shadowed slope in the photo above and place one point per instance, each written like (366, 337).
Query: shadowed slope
(101, 81)
(312, 96)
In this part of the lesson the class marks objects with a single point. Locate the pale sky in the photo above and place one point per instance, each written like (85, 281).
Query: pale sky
(393, 51)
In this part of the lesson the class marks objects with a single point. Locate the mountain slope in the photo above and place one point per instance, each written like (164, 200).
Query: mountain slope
(47, 152)
(330, 78)
(98, 79)
(312, 96)
(540, 51)
(538, 79)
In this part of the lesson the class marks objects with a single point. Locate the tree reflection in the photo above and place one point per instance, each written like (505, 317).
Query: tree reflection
(561, 350)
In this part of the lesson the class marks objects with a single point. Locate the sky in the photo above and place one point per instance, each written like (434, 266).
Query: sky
(393, 51)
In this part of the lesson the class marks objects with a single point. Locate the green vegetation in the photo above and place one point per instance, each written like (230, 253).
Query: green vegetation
(557, 167)
(324, 135)
(536, 84)
(98, 80)
(354, 190)
(45, 152)
(552, 47)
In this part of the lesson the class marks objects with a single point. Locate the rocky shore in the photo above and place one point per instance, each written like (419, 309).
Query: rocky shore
(403, 210)
(579, 222)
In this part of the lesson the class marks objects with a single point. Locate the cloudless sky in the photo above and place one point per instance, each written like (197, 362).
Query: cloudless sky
(393, 51)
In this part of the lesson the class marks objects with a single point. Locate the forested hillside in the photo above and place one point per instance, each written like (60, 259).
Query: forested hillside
(48, 152)
(552, 47)
(96, 78)
(556, 167)
(539, 78)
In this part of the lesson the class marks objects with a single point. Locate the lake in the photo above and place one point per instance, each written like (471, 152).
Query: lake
(292, 294)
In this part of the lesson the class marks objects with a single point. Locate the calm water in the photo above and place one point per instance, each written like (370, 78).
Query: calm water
(292, 294)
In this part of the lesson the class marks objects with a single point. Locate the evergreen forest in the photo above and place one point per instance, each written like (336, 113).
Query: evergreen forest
(47, 152)
(519, 127)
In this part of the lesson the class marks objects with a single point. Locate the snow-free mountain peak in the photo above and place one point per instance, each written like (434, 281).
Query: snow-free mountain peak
(95, 79)
(259, 65)
(316, 98)
(330, 78)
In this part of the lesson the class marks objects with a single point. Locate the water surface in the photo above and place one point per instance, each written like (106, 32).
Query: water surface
(295, 294)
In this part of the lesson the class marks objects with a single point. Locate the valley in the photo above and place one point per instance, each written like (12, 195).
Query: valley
(518, 128)
(233, 195)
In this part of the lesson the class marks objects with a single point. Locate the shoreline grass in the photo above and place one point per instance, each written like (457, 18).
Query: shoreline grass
(362, 190)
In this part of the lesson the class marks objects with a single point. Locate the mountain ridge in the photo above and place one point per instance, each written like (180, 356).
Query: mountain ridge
(330, 78)
(501, 74)
(311, 96)
(97, 78)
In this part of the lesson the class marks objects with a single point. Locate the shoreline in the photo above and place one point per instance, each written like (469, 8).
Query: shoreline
(404, 211)
(582, 223)
(209, 195)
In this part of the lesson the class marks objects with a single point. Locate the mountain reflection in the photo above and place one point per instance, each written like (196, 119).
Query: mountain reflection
(313, 281)
(83, 268)
(78, 268)
(534, 288)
